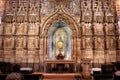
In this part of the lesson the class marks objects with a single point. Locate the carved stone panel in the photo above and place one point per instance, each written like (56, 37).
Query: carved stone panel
(21, 28)
(8, 42)
(33, 29)
(7, 56)
(20, 42)
(86, 16)
(33, 42)
(110, 42)
(33, 56)
(111, 56)
(109, 17)
(99, 42)
(99, 57)
(97, 4)
(21, 56)
(89, 42)
(9, 28)
(98, 29)
(86, 29)
(87, 54)
(9, 18)
(98, 16)
(110, 29)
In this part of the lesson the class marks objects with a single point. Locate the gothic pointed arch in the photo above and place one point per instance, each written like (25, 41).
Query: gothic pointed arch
(60, 15)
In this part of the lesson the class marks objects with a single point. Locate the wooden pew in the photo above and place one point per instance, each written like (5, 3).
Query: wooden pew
(26, 76)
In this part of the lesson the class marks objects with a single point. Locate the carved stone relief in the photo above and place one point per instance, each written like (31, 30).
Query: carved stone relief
(8, 42)
(110, 29)
(99, 57)
(110, 43)
(98, 29)
(99, 42)
(111, 56)
(33, 42)
(87, 42)
(33, 29)
(21, 56)
(86, 16)
(20, 42)
(87, 54)
(7, 56)
(32, 56)
(86, 29)
(21, 28)
(9, 28)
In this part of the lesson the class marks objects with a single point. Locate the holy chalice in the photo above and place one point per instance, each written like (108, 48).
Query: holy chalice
(60, 47)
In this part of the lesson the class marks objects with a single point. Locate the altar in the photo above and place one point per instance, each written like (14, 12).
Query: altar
(60, 66)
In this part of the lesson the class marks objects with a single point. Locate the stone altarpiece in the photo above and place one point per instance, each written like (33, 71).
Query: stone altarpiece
(26, 25)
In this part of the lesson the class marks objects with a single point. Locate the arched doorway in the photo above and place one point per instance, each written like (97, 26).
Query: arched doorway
(60, 41)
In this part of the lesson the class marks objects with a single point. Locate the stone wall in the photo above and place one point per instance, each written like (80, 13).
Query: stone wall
(24, 31)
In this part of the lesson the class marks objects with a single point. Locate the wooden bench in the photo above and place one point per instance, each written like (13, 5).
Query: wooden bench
(26, 76)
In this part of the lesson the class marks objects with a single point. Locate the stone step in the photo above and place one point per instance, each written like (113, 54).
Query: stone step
(54, 76)
(60, 79)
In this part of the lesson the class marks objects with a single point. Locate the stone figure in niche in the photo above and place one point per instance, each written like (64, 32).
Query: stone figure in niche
(33, 42)
(33, 28)
(88, 29)
(9, 28)
(88, 42)
(99, 43)
(19, 42)
(111, 29)
(8, 42)
(112, 43)
(98, 29)
(21, 28)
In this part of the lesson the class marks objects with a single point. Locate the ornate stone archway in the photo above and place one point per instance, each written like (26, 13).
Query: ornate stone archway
(59, 16)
